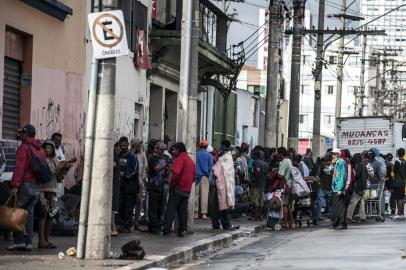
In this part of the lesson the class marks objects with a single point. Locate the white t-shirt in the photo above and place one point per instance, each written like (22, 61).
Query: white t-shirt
(61, 156)
(60, 153)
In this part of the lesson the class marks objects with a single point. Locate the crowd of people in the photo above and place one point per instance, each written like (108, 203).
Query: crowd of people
(153, 182)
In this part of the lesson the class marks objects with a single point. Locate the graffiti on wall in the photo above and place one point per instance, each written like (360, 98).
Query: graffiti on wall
(124, 126)
(47, 119)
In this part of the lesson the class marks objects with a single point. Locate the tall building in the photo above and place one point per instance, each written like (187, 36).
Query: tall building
(351, 80)
(394, 23)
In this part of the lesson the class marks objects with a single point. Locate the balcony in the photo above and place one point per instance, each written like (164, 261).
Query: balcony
(217, 64)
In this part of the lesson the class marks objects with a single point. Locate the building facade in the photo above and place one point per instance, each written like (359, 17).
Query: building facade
(42, 73)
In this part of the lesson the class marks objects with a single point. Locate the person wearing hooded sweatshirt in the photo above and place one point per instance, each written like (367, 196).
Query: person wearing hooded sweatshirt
(338, 187)
(24, 184)
(380, 171)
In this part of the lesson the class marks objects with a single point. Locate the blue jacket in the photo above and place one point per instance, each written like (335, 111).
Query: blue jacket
(204, 164)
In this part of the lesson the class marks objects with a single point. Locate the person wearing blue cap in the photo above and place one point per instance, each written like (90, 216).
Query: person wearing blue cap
(24, 183)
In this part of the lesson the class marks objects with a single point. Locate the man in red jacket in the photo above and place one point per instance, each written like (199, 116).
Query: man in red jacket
(24, 184)
(183, 176)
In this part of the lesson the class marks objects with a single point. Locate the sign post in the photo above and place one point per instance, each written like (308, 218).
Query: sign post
(109, 41)
(108, 34)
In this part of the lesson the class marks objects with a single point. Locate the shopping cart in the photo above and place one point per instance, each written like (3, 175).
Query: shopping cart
(375, 204)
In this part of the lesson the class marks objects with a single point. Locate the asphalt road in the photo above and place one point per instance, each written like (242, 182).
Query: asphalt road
(367, 246)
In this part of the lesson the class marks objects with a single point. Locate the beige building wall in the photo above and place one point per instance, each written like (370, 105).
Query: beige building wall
(53, 101)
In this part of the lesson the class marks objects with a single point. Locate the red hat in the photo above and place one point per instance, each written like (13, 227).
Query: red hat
(204, 143)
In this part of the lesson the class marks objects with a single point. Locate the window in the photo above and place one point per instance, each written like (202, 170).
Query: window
(135, 18)
(372, 90)
(304, 89)
(304, 59)
(330, 90)
(331, 60)
(302, 118)
(328, 120)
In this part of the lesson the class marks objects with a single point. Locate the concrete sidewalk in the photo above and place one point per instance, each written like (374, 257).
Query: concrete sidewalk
(160, 250)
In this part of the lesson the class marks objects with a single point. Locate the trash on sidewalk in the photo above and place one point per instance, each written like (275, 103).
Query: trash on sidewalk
(61, 255)
(133, 251)
(71, 252)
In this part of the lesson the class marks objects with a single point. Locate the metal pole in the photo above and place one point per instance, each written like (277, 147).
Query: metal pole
(271, 106)
(293, 131)
(318, 83)
(99, 216)
(377, 86)
(184, 81)
(191, 140)
(340, 61)
(88, 156)
(360, 102)
(87, 167)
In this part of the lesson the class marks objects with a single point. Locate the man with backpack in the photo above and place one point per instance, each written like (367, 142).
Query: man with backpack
(24, 183)
(399, 170)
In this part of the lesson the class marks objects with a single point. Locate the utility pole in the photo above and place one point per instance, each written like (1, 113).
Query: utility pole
(377, 86)
(99, 215)
(88, 157)
(293, 129)
(340, 60)
(318, 83)
(184, 76)
(360, 101)
(191, 139)
(271, 106)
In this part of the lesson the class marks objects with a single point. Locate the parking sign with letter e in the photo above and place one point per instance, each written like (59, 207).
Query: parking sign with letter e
(107, 30)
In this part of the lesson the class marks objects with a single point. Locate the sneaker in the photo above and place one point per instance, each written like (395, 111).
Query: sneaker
(19, 247)
(401, 218)
(396, 217)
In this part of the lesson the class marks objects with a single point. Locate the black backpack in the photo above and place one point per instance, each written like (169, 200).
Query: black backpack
(40, 169)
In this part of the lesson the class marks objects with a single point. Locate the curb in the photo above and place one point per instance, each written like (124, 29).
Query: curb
(185, 253)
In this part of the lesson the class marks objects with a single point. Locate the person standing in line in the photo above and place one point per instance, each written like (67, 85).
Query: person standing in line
(128, 184)
(24, 184)
(219, 216)
(338, 186)
(47, 207)
(136, 146)
(308, 160)
(115, 206)
(157, 177)
(258, 183)
(182, 178)
(399, 170)
(360, 185)
(284, 173)
(60, 154)
(204, 164)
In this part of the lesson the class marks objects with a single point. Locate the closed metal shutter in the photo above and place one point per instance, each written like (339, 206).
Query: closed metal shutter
(11, 98)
